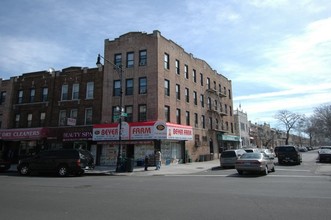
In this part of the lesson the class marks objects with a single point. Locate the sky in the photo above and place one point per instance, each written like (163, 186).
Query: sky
(277, 53)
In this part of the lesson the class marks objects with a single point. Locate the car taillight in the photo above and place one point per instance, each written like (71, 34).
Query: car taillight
(78, 162)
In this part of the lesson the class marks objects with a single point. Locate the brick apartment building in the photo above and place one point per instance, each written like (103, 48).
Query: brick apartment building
(163, 84)
(171, 102)
(44, 110)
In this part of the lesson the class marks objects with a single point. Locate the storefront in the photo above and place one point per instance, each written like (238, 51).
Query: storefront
(227, 142)
(23, 142)
(139, 139)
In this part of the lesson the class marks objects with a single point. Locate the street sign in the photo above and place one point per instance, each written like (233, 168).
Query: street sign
(124, 114)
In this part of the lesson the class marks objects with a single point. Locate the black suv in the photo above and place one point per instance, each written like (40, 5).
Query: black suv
(288, 154)
(60, 161)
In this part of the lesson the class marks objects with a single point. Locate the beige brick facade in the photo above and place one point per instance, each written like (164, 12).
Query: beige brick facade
(215, 89)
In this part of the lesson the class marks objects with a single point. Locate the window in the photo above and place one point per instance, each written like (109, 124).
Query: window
(201, 79)
(117, 88)
(166, 61)
(194, 74)
(202, 100)
(166, 87)
(230, 109)
(73, 113)
(32, 95)
(229, 93)
(178, 121)
(186, 71)
(20, 97)
(196, 122)
(3, 97)
(64, 92)
(75, 91)
(167, 113)
(17, 120)
(44, 94)
(209, 103)
(29, 120)
(142, 114)
(89, 90)
(62, 118)
(142, 58)
(142, 85)
(177, 67)
(195, 98)
(115, 114)
(203, 123)
(226, 109)
(187, 116)
(214, 85)
(118, 60)
(88, 116)
(210, 119)
(208, 82)
(129, 112)
(187, 95)
(178, 91)
(129, 59)
(216, 124)
(42, 118)
(215, 105)
(129, 87)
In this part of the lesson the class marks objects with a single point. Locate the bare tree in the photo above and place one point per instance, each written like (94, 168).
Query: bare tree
(322, 119)
(288, 120)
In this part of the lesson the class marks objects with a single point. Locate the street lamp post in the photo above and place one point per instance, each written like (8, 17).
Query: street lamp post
(119, 70)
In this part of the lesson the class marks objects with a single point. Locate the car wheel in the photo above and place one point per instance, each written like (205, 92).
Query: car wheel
(273, 169)
(62, 170)
(24, 170)
(265, 172)
(240, 172)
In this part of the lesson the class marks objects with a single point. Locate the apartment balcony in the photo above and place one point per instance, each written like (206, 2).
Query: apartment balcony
(217, 112)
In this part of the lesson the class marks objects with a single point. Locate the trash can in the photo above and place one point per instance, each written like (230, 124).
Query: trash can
(129, 164)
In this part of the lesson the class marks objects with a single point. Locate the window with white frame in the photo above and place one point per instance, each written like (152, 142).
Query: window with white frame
(29, 120)
(64, 92)
(88, 116)
(62, 117)
(89, 90)
(75, 91)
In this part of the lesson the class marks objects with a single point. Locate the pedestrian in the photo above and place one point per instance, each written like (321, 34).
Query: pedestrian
(146, 163)
(158, 160)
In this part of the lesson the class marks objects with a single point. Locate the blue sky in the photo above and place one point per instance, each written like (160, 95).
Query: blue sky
(277, 53)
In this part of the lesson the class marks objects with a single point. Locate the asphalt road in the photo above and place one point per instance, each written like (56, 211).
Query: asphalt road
(292, 192)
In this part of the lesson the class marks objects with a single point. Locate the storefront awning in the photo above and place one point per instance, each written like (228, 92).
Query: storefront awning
(142, 131)
(23, 134)
(230, 138)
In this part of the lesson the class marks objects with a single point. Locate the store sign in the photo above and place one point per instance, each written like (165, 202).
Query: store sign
(230, 138)
(143, 131)
(23, 134)
(109, 132)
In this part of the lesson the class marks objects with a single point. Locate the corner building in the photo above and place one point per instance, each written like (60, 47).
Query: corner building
(162, 86)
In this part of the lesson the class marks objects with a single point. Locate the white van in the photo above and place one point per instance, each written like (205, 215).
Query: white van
(229, 157)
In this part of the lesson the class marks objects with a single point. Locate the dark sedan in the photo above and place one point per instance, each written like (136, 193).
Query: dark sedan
(324, 155)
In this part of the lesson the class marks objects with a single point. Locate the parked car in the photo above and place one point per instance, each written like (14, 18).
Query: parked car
(255, 162)
(324, 147)
(267, 152)
(288, 154)
(303, 149)
(229, 157)
(4, 164)
(324, 155)
(60, 161)
(251, 150)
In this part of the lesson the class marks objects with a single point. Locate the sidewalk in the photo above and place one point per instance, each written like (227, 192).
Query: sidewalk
(173, 169)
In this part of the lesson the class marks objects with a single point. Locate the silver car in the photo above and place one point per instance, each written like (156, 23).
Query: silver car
(255, 162)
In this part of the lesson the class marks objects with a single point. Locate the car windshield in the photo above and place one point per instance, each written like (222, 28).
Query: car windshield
(251, 156)
(286, 149)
